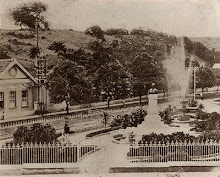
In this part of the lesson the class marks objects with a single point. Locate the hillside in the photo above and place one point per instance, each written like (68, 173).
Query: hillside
(209, 42)
(17, 44)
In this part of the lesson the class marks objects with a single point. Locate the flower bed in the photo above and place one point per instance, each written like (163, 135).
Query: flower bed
(102, 132)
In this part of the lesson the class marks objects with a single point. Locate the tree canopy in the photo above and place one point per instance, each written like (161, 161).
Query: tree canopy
(204, 78)
(30, 15)
(95, 31)
(69, 79)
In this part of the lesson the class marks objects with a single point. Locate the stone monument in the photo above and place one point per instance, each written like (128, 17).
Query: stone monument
(152, 111)
(152, 122)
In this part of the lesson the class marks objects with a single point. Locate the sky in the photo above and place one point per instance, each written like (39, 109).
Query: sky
(199, 18)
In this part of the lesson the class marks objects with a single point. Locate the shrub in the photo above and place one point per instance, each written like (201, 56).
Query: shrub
(20, 35)
(137, 32)
(114, 31)
(38, 133)
(134, 119)
(4, 53)
(166, 115)
(174, 137)
(16, 42)
(43, 37)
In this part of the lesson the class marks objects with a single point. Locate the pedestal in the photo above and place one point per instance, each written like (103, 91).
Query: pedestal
(152, 122)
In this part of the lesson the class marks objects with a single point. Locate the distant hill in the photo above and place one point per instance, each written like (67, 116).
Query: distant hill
(209, 42)
(212, 43)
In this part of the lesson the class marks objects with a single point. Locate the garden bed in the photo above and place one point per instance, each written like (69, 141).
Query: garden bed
(101, 132)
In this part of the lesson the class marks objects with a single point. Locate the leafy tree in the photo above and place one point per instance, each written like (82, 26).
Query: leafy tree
(217, 83)
(146, 71)
(162, 84)
(95, 31)
(110, 78)
(204, 78)
(216, 72)
(139, 88)
(107, 71)
(38, 133)
(34, 52)
(69, 79)
(30, 15)
(58, 47)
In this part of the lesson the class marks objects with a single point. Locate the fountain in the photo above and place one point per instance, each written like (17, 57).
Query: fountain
(177, 73)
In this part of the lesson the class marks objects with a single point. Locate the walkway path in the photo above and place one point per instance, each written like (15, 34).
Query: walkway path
(211, 105)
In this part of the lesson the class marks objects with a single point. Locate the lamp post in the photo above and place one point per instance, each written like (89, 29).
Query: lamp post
(194, 82)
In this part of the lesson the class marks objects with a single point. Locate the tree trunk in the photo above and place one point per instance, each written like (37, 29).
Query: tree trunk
(164, 94)
(67, 108)
(140, 98)
(108, 103)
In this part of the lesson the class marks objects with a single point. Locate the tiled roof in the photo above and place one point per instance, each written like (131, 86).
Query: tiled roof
(4, 63)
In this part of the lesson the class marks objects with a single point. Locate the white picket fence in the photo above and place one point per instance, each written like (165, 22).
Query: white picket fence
(44, 153)
(174, 152)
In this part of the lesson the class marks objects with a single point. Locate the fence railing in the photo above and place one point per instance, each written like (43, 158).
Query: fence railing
(44, 153)
(174, 152)
(51, 117)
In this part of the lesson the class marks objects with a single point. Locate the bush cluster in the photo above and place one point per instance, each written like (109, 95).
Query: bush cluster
(38, 133)
(16, 42)
(208, 122)
(174, 137)
(114, 31)
(137, 117)
(20, 35)
(166, 115)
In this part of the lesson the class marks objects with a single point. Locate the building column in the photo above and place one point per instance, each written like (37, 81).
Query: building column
(30, 98)
(6, 102)
(18, 98)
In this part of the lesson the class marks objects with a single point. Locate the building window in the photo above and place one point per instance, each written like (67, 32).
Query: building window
(12, 99)
(24, 98)
(1, 100)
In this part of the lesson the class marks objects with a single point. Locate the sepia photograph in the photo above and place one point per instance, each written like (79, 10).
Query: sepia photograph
(110, 88)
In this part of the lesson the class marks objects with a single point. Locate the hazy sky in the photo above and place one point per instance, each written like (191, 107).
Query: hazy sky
(179, 17)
